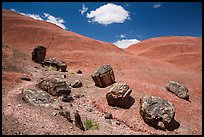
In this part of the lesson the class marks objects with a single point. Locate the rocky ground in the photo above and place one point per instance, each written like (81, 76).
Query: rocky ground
(146, 68)
(19, 117)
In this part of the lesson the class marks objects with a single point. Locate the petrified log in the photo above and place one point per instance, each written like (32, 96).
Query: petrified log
(157, 112)
(180, 90)
(38, 54)
(104, 76)
(39, 98)
(118, 95)
(54, 87)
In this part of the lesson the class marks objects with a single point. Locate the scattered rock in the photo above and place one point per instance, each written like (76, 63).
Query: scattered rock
(26, 78)
(66, 114)
(79, 72)
(118, 95)
(117, 122)
(38, 98)
(53, 114)
(157, 112)
(36, 67)
(67, 98)
(89, 109)
(8, 104)
(38, 54)
(109, 121)
(76, 84)
(180, 90)
(104, 76)
(64, 76)
(78, 96)
(54, 87)
(108, 116)
(77, 121)
(55, 64)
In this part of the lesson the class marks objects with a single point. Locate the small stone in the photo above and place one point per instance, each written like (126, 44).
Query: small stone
(9, 104)
(67, 98)
(109, 121)
(117, 123)
(108, 116)
(53, 114)
(76, 84)
(79, 72)
(26, 78)
(89, 109)
(64, 76)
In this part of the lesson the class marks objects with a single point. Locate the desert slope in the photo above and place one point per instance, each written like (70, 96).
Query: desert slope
(25, 33)
(135, 67)
(183, 51)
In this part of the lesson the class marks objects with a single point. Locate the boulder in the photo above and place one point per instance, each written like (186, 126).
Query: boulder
(103, 76)
(54, 87)
(180, 90)
(55, 64)
(38, 54)
(118, 95)
(39, 98)
(76, 84)
(157, 112)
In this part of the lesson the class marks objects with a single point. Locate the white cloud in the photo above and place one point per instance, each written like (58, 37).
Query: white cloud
(84, 9)
(125, 43)
(34, 16)
(58, 21)
(157, 5)
(13, 9)
(108, 14)
(122, 36)
(46, 17)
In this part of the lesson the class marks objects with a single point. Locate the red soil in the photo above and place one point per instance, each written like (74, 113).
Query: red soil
(146, 67)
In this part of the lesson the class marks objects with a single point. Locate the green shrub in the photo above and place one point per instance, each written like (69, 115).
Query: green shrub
(90, 125)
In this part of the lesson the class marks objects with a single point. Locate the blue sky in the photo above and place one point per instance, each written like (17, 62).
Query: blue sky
(121, 23)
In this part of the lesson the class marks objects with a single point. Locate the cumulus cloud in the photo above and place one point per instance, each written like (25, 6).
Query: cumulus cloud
(58, 21)
(122, 36)
(13, 9)
(157, 5)
(108, 14)
(34, 16)
(47, 17)
(125, 43)
(84, 9)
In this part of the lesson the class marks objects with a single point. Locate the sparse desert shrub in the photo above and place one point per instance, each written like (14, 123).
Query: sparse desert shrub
(50, 68)
(90, 125)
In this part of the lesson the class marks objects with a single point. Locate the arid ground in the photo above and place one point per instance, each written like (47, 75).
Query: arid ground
(146, 67)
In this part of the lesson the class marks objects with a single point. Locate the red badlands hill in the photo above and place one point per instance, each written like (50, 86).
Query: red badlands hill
(146, 67)
(182, 51)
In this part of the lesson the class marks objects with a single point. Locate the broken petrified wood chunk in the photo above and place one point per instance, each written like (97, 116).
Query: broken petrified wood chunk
(66, 114)
(39, 98)
(118, 95)
(157, 112)
(77, 120)
(55, 64)
(38, 54)
(178, 89)
(76, 84)
(54, 87)
(104, 76)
